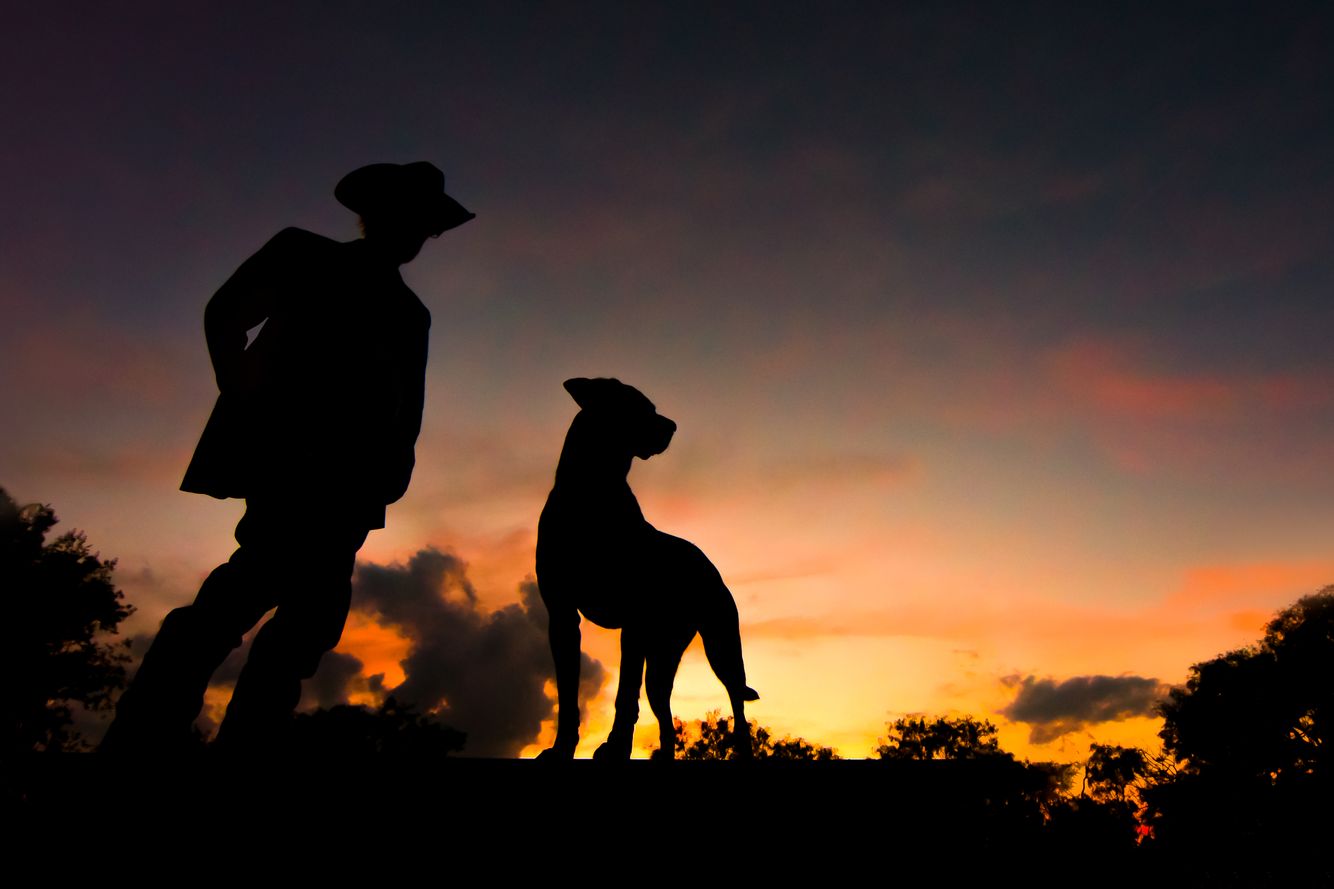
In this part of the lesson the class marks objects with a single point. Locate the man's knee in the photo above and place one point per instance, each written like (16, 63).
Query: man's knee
(238, 592)
(311, 643)
(195, 629)
(294, 646)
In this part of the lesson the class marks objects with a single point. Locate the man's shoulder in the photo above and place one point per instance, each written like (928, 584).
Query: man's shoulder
(293, 238)
(293, 248)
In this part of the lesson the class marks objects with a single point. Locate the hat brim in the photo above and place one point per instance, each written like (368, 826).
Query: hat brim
(448, 214)
(415, 191)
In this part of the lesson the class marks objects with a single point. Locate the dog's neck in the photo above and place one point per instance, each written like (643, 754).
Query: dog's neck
(590, 459)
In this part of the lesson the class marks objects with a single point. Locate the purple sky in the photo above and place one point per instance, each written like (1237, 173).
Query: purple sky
(1014, 312)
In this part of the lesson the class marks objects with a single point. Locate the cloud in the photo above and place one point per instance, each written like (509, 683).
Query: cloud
(482, 672)
(135, 462)
(338, 677)
(1249, 585)
(84, 363)
(840, 470)
(1052, 709)
(1145, 404)
(1100, 374)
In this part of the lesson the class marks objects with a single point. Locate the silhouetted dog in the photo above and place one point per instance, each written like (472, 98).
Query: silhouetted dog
(597, 555)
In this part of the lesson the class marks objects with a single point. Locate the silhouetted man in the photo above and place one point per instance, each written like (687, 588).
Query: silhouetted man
(315, 426)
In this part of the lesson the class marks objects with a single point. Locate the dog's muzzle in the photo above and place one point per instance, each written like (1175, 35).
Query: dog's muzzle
(660, 436)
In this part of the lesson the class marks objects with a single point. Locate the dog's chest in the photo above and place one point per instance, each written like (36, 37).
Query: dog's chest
(583, 535)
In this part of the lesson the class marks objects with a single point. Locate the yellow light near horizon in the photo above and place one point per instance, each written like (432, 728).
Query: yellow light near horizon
(380, 649)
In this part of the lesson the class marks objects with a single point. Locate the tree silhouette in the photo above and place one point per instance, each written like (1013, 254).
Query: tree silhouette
(61, 605)
(1261, 712)
(940, 738)
(1101, 823)
(1105, 821)
(1248, 734)
(711, 739)
(392, 728)
(1036, 788)
(1115, 773)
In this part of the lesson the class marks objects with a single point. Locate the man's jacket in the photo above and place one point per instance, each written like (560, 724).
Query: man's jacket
(323, 407)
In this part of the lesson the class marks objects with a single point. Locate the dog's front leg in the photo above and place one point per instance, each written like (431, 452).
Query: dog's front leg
(621, 739)
(565, 638)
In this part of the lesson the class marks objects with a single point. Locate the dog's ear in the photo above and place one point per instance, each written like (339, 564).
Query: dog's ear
(580, 389)
(598, 391)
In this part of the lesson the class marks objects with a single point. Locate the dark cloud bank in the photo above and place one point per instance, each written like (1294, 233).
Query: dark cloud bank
(483, 672)
(1052, 709)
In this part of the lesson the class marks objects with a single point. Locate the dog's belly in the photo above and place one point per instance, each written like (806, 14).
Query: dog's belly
(601, 588)
(626, 575)
(609, 611)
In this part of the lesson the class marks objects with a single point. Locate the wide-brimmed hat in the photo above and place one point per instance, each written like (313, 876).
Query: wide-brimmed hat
(416, 189)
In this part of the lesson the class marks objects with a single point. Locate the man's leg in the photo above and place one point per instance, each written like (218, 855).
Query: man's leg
(157, 712)
(314, 575)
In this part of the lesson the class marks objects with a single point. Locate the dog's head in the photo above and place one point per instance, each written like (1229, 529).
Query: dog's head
(620, 414)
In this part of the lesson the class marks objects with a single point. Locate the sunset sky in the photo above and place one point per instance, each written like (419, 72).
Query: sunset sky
(998, 335)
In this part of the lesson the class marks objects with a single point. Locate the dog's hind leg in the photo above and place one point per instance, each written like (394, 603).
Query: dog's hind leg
(721, 631)
(742, 746)
(621, 739)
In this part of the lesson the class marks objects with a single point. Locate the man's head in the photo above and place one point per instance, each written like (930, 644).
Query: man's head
(400, 205)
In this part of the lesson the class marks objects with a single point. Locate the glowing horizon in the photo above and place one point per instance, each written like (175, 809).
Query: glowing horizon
(998, 344)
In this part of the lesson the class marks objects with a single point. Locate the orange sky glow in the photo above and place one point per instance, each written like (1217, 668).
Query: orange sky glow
(1001, 390)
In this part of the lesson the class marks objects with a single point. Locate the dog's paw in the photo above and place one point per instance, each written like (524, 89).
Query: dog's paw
(558, 753)
(611, 751)
(662, 755)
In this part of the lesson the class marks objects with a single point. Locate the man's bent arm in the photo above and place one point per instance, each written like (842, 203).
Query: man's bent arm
(408, 419)
(242, 303)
